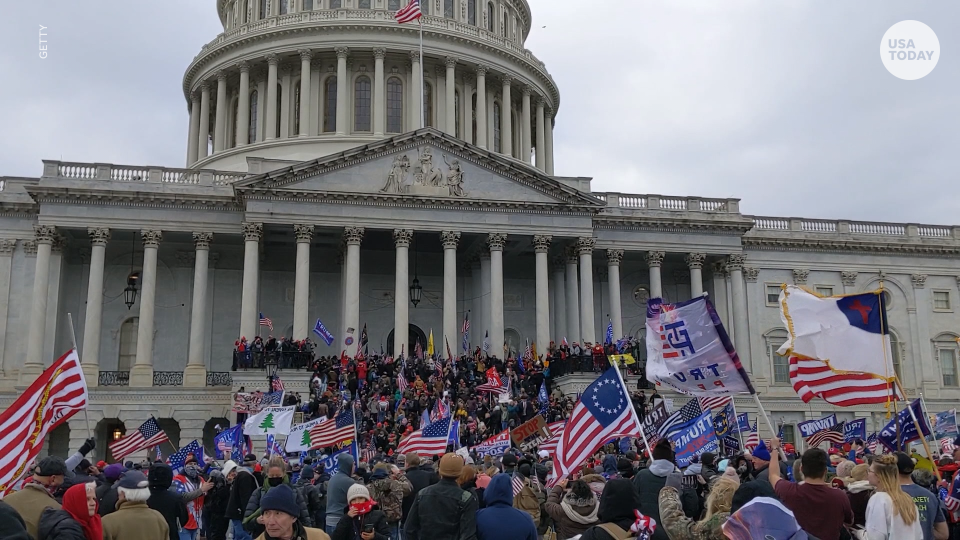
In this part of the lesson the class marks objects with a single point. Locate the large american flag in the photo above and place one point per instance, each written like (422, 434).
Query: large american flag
(276, 384)
(265, 321)
(753, 439)
(832, 434)
(334, 431)
(409, 13)
(710, 403)
(57, 394)
(465, 330)
(604, 412)
(813, 378)
(147, 435)
(429, 441)
(686, 413)
(401, 382)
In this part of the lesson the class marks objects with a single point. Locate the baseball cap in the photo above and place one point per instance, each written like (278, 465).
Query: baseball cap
(905, 463)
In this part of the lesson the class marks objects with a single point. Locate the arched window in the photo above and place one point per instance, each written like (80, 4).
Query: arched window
(335, 4)
(393, 5)
(427, 105)
(284, 7)
(252, 129)
(947, 349)
(394, 105)
(330, 106)
(496, 126)
(472, 12)
(448, 9)
(490, 17)
(361, 104)
(363, 4)
(279, 101)
(128, 343)
(263, 9)
(780, 364)
(456, 112)
(296, 109)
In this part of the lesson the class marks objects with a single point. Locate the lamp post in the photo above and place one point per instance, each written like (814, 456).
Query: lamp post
(416, 291)
(130, 293)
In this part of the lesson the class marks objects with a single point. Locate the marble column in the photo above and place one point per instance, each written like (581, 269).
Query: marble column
(695, 263)
(270, 122)
(541, 138)
(243, 105)
(541, 248)
(742, 334)
(654, 262)
(573, 295)
(99, 236)
(301, 295)
(249, 316)
(481, 107)
(194, 136)
(204, 128)
(7, 247)
(351, 296)
(220, 118)
(33, 362)
(450, 240)
(559, 300)
(484, 296)
(525, 135)
(548, 125)
(195, 374)
(141, 373)
(379, 92)
(466, 132)
(588, 324)
(506, 118)
(451, 87)
(496, 241)
(286, 99)
(417, 71)
(614, 258)
(401, 295)
(342, 89)
(305, 57)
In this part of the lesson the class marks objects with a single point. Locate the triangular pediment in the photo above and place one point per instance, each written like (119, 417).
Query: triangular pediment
(425, 164)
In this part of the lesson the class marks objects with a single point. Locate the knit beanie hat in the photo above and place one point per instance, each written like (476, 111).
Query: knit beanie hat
(663, 450)
(761, 452)
(307, 473)
(731, 473)
(358, 490)
(451, 465)
(280, 498)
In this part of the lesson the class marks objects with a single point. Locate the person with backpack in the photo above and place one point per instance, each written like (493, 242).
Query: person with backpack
(530, 497)
(618, 506)
(388, 486)
(309, 493)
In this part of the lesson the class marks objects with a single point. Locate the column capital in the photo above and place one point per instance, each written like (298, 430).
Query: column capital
(586, 244)
(526, 91)
(99, 236)
(450, 239)
(151, 237)
(800, 276)
(252, 232)
(849, 277)
(482, 70)
(7, 247)
(305, 54)
(506, 79)
(655, 258)
(735, 261)
(201, 240)
(541, 243)
(379, 53)
(919, 280)
(352, 235)
(695, 260)
(44, 234)
(303, 232)
(221, 76)
(286, 68)
(571, 255)
(440, 71)
(750, 273)
(496, 241)
(414, 57)
(342, 52)
(272, 59)
(59, 243)
(451, 61)
(614, 257)
(243, 66)
(204, 87)
(402, 237)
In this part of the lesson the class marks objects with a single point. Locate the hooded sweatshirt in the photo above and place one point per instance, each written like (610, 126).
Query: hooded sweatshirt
(617, 506)
(167, 502)
(648, 483)
(571, 513)
(500, 520)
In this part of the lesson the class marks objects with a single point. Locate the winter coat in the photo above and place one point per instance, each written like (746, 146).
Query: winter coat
(59, 525)
(108, 504)
(135, 520)
(680, 527)
(528, 500)
(617, 506)
(302, 533)
(442, 511)
(389, 494)
(168, 503)
(252, 512)
(243, 486)
(420, 478)
(337, 494)
(648, 483)
(566, 527)
(11, 524)
(859, 493)
(350, 528)
(312, 496)
(499, 520)
(30, 502)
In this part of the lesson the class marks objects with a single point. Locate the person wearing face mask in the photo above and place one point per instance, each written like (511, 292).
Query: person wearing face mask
(37, 495)
(276, 477)
(362, 521)
(192, 488)
(77, 520)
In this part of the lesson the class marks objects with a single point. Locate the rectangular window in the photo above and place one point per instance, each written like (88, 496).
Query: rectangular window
(824, 290)
(941, 301)
(789, 434)
(773, 295)
(781, 366)
(948, 366)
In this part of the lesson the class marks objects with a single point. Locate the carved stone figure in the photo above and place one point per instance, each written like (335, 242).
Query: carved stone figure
(454, 177)
(428, 175)
(396, 176)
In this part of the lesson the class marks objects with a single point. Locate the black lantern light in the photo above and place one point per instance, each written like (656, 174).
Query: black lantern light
(416, 291)
(130, 293)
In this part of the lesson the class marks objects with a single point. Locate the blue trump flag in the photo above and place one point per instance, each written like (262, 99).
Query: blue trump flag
(543, 398)
(321, 330)
(609, 332)
(228, 442)
(330, 463)
(908, 432)
(743, 423)
(855, 429)
(694, 438)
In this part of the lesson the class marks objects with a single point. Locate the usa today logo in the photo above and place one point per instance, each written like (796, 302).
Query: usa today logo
(910, 50)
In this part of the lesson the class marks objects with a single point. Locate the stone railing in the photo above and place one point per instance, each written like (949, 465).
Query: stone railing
(866, 228)
(168, 378)
(629, 201)
(114, 378)
(129, 173)
(219, 378)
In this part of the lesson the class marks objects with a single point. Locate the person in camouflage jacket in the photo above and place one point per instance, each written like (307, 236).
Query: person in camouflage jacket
(679, 527)
(388, 486)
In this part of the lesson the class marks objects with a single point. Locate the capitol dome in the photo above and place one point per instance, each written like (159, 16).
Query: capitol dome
(361, 72)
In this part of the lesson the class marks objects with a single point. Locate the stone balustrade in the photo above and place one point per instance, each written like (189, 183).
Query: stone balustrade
(127, 173)
(629, 201)
(767, 225)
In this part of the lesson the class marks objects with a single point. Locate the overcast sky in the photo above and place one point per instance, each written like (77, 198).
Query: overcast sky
(784, 105)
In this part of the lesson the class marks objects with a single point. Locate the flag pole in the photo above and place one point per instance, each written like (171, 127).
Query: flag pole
(733, 402)
(73, 340)
(916, 426)
(766, 419)
(633, 412)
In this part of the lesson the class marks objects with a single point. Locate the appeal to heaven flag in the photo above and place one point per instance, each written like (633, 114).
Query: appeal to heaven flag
(270, 421)
(689, 351)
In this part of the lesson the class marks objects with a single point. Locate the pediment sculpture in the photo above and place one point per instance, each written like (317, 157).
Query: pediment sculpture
(428, 179)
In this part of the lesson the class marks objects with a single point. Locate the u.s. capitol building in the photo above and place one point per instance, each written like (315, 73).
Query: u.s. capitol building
(309, 192)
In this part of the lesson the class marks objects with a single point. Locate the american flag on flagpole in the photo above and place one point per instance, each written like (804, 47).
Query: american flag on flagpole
(872, 443)
(465, 330)
(753, 439)
(686, 413)
(402, 382)
(517, 483)
(947, 446)
(409, 13)
(276, 384)
(494, 383)
(832, 434)
(419, 350)
(556, 430)
(265, 321)
(333, 431)
(710, 403)
(811, 378)
(147, 435)
(429, 441)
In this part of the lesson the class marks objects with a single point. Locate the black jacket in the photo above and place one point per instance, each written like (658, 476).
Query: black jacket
(419, 478)
(108, 503)
(243, 486)
(617, 505)
(311, 495)
(442, 512)
(58, 525)
(350, 529)
(168, 503)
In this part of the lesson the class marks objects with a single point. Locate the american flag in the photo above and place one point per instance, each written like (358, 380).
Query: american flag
(686, 413)
(265, 321)
(604, 412)
(812, 378)
(710, 403)
(832, 434)
(57, 394)
(753, 439)
(147, 435)
(872, 443)
(440, 410)
(429, 441)
(276, 384)
(465, 330)
(334, 431)
(401, 382)
(271, 399)
(409, 13)
(179, 458)
(947, 446)
(556, 430)
(419, 350)
(517, 483)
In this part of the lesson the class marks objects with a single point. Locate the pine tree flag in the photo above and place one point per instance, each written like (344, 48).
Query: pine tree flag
(299, 439)
(270, 421)
(267, 423)
(305, 440)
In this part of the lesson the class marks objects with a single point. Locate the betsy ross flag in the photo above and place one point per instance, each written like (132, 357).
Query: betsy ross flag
(147, 435)
(409, 13)
(832, 434)
(57, 394)
(604, 412)
(429, 441)
(334, 431)
(465, 330)
(265, 321)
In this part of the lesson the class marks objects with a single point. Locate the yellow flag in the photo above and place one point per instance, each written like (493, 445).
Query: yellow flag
(430, 344)
(534, 350)
(625, 358)
(923, 463)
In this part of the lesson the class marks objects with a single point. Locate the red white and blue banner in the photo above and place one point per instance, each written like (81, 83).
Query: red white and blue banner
(855, 429)
(494, 446)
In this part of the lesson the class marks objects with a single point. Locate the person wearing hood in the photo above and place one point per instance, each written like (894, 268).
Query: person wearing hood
(12, 526)
(610, 467)
(618, 512)
(337, 489)
(648, 483)
(499, 520)
(276, 476)
(709, 470)
(363, 521)
(744, 467)
(76, 520)
(163, 500)
(111, 473)
(243, 487)
(859, 490)
(310, 493)
(573, 507)
(215, 502)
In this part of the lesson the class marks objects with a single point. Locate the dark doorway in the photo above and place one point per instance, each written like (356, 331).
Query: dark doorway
(415, 335)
